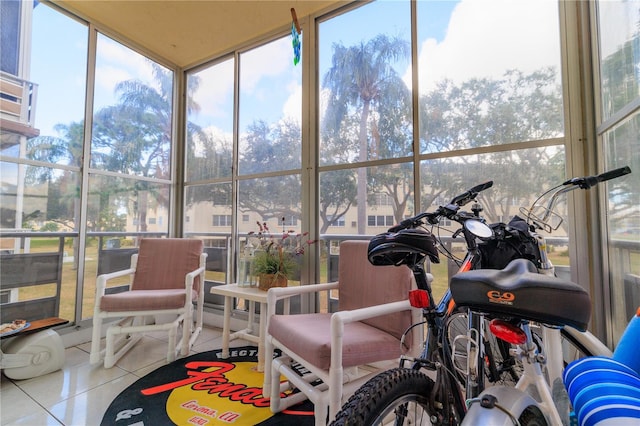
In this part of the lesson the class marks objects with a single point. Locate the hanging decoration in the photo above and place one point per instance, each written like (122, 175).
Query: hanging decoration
(295, 37)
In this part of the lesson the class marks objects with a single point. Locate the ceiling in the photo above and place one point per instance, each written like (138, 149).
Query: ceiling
(186, 32)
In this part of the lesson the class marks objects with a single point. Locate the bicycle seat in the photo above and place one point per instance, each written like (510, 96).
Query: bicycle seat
(406, 247)
(520, 291)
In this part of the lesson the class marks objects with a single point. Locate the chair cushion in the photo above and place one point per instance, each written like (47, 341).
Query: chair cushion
(164, 262)
(363, 284)
(143, 300)
(309, 336)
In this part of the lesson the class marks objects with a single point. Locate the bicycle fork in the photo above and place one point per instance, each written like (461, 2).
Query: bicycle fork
(502, 405)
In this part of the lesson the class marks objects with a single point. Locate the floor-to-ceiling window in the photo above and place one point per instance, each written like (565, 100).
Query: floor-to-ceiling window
(474, 93)
(80, 185)
(41, 153)
(489, 107)
(209, 164)
(618, 42)
(269, 139)
(365, 124)
(244, 152)
(128, 188)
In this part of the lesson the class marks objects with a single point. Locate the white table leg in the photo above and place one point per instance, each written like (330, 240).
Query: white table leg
(262, 334)
(226, 326)
(252, 315)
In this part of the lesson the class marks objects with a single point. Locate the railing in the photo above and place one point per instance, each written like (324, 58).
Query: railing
(31, 270)
(27, 264)
(624, 255)
(112, 256)
(22, 269)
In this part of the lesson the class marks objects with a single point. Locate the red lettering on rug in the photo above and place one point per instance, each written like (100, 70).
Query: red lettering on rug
(214, 382)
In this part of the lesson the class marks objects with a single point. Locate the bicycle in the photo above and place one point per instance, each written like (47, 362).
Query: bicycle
(408, 394)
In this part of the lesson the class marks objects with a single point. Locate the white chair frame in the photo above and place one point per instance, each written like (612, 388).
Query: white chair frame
(122, 335)
(337, 385)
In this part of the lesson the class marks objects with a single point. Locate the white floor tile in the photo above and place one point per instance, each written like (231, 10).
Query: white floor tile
(41, 418)
(80, 393)
(15, 403)
(55, 387)
(88, 408)
(144, 353)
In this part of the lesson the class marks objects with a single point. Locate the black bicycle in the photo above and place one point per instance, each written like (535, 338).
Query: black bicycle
(460, 357)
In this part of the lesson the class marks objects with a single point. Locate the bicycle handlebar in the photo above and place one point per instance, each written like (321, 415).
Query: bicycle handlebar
(448, 211)
(451, 210)
(585, 182)
(471, 194)
(589, 181)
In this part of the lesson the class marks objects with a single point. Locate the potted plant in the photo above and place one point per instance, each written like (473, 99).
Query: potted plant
(274, 259)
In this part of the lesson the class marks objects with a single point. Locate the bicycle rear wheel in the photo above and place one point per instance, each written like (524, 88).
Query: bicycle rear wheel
(393, 397)
(500, 366)
(575, 345)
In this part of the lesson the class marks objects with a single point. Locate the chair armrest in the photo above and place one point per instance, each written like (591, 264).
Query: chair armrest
(344, 317)
(193, 274)
(339, 319)
(101, 281)
(188, 282)
(277, 293)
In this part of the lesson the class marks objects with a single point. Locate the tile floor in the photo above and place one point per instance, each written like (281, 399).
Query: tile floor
(80, 393)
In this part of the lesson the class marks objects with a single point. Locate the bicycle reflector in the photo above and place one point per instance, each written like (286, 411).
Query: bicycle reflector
(419, 299)
(507, 332)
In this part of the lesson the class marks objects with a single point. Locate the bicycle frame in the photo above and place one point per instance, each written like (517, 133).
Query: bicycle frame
(443, 398)
(436, 316)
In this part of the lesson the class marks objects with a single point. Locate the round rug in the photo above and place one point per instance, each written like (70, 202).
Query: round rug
(203, 389)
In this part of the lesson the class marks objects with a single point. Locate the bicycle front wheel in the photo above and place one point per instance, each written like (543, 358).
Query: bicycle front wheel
(393, 397)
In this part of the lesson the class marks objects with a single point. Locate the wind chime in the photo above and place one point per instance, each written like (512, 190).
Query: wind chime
(295, 37)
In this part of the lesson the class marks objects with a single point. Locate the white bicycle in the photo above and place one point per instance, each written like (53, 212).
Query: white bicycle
(543, 319)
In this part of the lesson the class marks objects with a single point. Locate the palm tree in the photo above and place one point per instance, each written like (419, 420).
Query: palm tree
(137, 134)
(358, 79)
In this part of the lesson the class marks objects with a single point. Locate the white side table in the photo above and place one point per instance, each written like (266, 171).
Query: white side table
(252, 295)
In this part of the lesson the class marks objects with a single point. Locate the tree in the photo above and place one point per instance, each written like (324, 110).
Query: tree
(209, 156)
(487, 112)
(133, 137)
(337, 195)
(620, 86)
(269, 148)
(358, 80)
(63, 188)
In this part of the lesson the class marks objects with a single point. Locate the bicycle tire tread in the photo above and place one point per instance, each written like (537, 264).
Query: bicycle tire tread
(379, 392)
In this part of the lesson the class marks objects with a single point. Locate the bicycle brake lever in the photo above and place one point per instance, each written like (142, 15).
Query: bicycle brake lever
(589, 181)
(583, 182)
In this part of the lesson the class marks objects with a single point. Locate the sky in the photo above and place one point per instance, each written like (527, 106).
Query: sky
(457, 40)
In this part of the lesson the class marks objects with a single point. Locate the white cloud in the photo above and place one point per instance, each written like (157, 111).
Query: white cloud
(292, 108)
(271, 60)
(108, 76)
(216, 90)
(117, 63)
(485, 38)
(252, 64)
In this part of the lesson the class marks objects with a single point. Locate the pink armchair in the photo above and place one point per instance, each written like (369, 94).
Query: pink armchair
(167, 279)
(373, 314)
